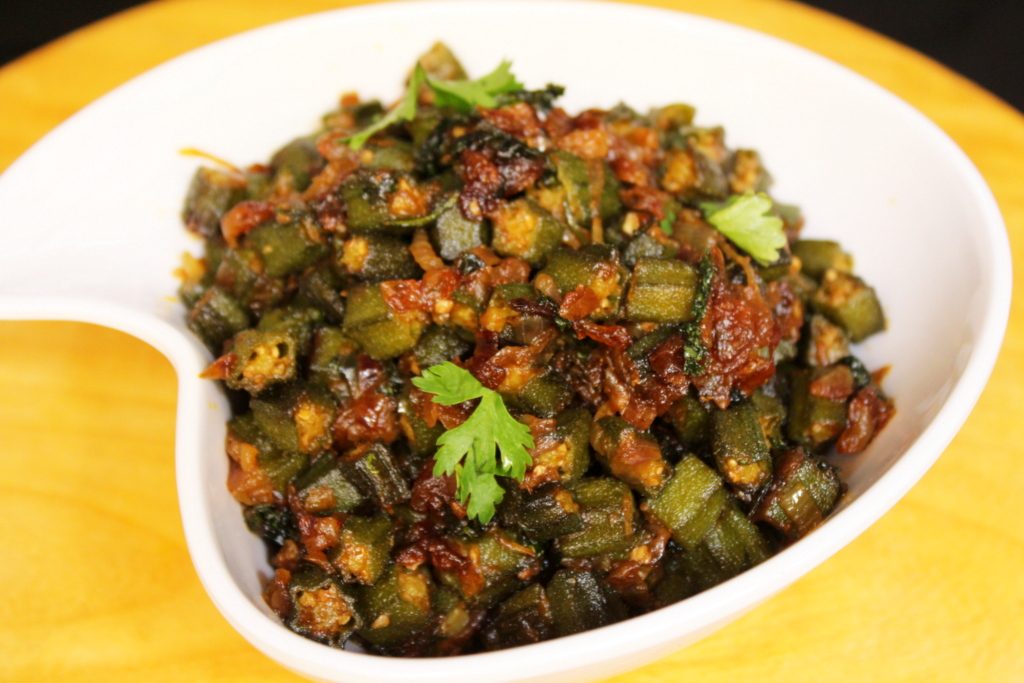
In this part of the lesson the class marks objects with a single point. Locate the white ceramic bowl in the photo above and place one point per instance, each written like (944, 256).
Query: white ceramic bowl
(91, 232)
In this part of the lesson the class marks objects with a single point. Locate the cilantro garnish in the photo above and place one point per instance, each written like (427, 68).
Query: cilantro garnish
(463, 95)
(745, 220)
(468, 451)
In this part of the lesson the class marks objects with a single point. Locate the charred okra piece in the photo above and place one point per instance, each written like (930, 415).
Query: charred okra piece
(813, 420)
(381, 332)
(397, 608)
(288, 248)
(454, 234)
(523, 618)
(580, 601)
(523, 229)
(817, 256)
(545, 394)
(662, 291)
(377, 473)
(365, 549)
(210, 194)
(320, 289)
(439, 344)
(804, 492)
(217, 317)
(542, 515)
(321, 608)
(377, 257)
(273, 523)
(742, 453)
(296, 163)
(608, 513)
(325, 488)
(848, 302)
(631, 455)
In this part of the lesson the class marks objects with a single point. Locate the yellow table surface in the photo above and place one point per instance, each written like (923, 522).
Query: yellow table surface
(94, 574)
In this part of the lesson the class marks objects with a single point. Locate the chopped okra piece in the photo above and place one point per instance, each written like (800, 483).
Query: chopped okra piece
(441, 63)
(326, 489)
(296, 420)
(439, 344)
(397, 607)
(296, 163)
(242, 275)
(691, 502)
(522, 228)
(544, 395)
(376, 257)
(321, 608)
(747, 173)
(690, 421)
(321, 289)
(332, 361)
(645, 246)
(732, 545)
(288, 248)
(676, 582)
(826, 343)
(217, 317)
(210, 195)
(521, 619)
(453, 234)
(273, 523)
(390, 155)
(568, 457)
(542, 515)
(422, 437)
(594, 267)
(364, 552)
(575, 181)
(771, 413)
(385, 202)
(630, 454)
(492, 566)
(580, 601)
(260, 359)
(512, 325)
(377, 473)
(742, 452)
(813, 420)
(847, 301)
(260, 469)
(804, 492)
(297, 322)
(817, 256)
(662, 291)
(608, 513)
(381, 332)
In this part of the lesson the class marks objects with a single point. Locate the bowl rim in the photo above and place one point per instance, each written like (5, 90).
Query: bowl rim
(637, 634)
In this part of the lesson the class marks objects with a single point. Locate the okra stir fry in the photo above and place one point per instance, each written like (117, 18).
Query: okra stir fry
(500, 373)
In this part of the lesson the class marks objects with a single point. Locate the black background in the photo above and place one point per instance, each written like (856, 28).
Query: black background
(982, 39)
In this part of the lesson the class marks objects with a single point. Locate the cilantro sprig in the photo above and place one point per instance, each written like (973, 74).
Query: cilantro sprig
(462, 95)
(489, 444)
(746, 221)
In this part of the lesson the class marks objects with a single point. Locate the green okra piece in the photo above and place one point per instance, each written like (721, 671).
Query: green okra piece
(691, 502)
(850, 303)
(372, 257)
(580, 601)
(813, 421)
(662, 291)
(210, 194)
(453, 234)
(543, 514)
(631, 455)
(296, 163)
(691, 422)
(817, 256)
(742, 452)
(523, 229)
(327, 488)
(804, 492)
(378, 474)
(217, 317)
(608, 511)
(261, 359)
(397, 608)
(288, 248)
(379, 331)
(365, 549)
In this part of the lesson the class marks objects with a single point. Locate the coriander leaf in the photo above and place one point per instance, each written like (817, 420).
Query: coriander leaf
(744, 219)
(667, 222)
(404, 111)
(490, 443)
(449, 383)
(465, 95)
